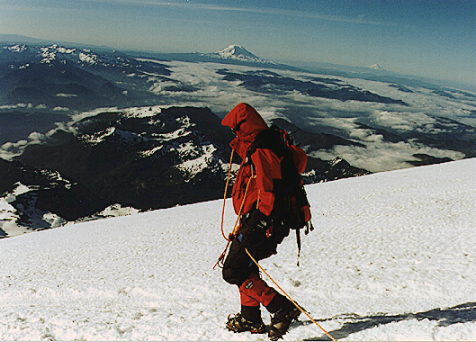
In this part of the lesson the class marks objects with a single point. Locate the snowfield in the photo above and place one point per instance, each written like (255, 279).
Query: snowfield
(393, 257)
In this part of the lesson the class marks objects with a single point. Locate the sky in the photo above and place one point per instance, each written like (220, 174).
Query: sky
(428, 38)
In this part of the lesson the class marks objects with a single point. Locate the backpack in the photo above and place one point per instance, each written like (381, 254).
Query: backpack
(291, 207)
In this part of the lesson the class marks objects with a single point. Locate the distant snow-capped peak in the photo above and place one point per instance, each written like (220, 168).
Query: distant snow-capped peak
(234, 50)
(88, 57)
(49, 53)
(238, 52)
(16, 48)
(376, 67)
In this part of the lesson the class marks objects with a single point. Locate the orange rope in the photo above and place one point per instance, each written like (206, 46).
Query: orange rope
(288, 296)
(237, 225)
(222, 256)
(237, 222)
(228, 177)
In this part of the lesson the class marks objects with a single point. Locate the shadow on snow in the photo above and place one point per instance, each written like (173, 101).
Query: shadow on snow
(457, 314)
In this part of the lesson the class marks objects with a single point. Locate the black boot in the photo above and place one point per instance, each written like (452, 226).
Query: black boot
(283, 313)
(248, 320)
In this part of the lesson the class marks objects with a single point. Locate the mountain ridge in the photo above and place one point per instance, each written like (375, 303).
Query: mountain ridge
(138, 158)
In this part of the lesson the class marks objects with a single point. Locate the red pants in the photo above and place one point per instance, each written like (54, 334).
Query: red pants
(238, 269)
(254, 291)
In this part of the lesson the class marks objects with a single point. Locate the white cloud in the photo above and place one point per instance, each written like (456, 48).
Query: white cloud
(402, 121)
(61, 109)
(15, 106)
(212, 91)
(312, 113)
(23, 105)
(384, 156)
(421, 100)
(10, 149)
(66, 95)
(340, 117)
(360, 19)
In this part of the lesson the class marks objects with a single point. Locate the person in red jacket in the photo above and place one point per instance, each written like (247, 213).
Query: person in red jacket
(254, 202)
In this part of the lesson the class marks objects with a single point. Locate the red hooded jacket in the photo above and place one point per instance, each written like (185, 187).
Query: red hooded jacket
(245, 121)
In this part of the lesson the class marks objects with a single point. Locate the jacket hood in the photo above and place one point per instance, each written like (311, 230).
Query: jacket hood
(244, 120)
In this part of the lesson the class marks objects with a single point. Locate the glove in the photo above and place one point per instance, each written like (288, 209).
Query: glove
(260, 220)
(256, 234)
(255, 220)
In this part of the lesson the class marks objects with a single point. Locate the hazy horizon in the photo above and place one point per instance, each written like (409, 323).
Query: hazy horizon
(432, 39)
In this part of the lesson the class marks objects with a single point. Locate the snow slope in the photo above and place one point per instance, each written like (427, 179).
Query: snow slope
(392, 258)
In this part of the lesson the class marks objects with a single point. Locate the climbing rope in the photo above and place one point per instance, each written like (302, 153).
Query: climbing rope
(288, 296)
(237, 222)
(225, 193)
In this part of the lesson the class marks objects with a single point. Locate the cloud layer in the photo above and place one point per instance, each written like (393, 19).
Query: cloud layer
(377, 125)
(392, 132)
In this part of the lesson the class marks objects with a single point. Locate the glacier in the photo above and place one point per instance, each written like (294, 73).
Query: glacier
(393, 257)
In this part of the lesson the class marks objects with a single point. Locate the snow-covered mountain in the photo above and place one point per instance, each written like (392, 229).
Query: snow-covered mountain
(138, 158)
(348, 123)
(239, 53)
(392, 258)
(377, 67)
(55, 78)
